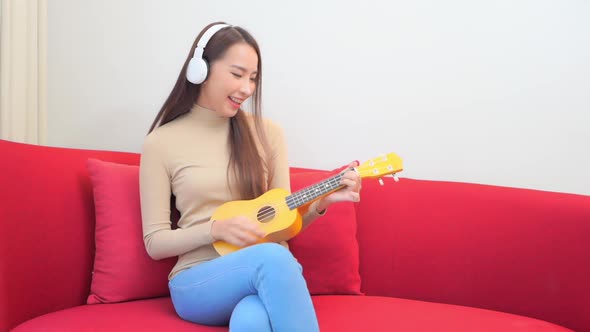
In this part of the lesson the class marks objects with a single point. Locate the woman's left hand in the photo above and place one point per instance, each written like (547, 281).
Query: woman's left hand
(350, 193)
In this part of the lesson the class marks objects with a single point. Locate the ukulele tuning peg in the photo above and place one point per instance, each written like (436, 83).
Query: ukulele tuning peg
(381, 181)
(395, 178)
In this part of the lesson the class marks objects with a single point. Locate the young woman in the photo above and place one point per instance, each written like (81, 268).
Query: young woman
(205, 150)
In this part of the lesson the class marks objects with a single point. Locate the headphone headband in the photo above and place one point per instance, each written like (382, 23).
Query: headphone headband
(209, 33)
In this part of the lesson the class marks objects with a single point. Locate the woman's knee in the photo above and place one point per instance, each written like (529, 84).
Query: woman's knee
(250, 315)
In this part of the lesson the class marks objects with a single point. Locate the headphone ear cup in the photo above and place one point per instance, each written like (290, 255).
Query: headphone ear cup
(197, 71)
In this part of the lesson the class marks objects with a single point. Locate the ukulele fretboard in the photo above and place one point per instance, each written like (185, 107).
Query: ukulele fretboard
(313, 192)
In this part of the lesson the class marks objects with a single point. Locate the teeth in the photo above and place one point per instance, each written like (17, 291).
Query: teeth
(235, 100)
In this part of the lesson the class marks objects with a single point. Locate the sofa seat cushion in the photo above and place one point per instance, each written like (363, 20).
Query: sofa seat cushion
(142, 315)
(374, 313)
(335, 313)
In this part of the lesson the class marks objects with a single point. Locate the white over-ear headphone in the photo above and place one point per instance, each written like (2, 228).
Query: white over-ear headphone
(198, 68)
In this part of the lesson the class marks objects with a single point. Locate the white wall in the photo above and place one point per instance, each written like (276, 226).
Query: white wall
(493, 92)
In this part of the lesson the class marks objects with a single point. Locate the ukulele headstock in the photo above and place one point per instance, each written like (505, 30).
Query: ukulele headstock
(387, 164)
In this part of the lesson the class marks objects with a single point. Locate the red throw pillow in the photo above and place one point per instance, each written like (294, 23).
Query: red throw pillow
(122, 268)
(328, 249)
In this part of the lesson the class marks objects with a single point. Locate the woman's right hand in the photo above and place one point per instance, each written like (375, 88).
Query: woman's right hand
(239, 231)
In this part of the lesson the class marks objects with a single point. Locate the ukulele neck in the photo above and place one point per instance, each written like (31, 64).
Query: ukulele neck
(313, 192)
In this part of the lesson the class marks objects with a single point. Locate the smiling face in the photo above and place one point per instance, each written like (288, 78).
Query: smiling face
(231, 80)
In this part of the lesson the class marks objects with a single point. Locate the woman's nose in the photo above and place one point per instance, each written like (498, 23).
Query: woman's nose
(246, 87)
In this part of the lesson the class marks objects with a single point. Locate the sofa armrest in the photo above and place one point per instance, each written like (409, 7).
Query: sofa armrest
(514, 250)
(46, 229)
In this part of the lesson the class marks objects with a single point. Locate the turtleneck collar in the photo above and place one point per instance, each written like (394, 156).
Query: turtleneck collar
(208, 116)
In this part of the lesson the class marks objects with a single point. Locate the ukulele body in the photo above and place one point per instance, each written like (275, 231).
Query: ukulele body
(270, 210)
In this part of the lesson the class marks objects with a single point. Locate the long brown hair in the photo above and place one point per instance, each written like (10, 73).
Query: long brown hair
(246, 162)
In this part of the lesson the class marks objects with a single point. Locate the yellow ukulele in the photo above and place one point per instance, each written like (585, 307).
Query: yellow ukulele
(277, 209)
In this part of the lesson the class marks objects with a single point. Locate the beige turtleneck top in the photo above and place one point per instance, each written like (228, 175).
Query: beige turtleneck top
(188, 157)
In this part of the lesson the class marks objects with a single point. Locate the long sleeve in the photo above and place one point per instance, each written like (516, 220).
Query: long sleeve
(281, 177)
(155, 192)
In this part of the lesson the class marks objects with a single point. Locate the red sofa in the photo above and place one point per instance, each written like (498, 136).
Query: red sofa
(434, 255)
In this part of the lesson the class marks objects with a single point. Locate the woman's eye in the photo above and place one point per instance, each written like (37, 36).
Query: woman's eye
(237, 75)
(253, 79)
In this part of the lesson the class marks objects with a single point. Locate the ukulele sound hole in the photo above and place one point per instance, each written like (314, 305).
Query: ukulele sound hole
(266, 214)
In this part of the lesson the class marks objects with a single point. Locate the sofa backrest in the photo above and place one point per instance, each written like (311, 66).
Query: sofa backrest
(508, 249)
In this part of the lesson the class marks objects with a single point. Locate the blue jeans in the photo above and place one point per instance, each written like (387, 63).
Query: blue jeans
(258, 288)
